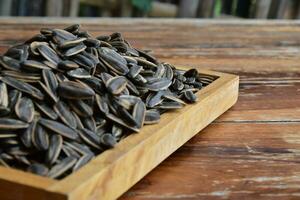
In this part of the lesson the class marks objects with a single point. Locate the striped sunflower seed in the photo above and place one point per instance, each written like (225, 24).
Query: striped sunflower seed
(66, 97)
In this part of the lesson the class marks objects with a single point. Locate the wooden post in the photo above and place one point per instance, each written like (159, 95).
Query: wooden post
(5, 7)
(54, 8)
(262, 8)
(277, 9)
(126, 8)
(160, 9)
(298, 11)
(291, 9)
(74, 8)
(188, 8)
(206, 8)
(281, 9)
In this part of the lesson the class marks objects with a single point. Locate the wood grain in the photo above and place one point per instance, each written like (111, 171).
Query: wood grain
(250, 152)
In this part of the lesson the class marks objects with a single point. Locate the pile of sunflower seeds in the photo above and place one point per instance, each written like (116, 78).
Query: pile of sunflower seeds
(65, 97)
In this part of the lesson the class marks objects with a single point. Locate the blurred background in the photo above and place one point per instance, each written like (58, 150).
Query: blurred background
(259, 9)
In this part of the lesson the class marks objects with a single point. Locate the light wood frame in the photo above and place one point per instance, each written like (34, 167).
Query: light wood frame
(113, 172)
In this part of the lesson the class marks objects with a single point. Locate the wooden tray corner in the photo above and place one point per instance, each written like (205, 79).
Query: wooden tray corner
(113, 172)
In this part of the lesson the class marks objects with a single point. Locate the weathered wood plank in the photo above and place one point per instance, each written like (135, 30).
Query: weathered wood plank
(229, 161)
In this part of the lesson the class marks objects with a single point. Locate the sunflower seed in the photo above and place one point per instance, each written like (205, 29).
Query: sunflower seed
(27, 77)
(48, 92)
(79, 73)
(81, 108)
(169, 105)
(26, 136)
(25, 109)
(154, 99)
(102, 104)
(65, 114)
(82, 161)
(190, 96)
(40, 138)
(138, 113)
(67, 65)
(113, 60)
(10, 63)
(12, 124)
(3, 163)
(152, 117)
(116, 84)
(157, 85)
(48, 53)
(89, 123)
(74, 90)
(33, 66)
(90, 93)
(75, 50)
(3, 95)
(90, 138)
(59, 128)
(39, 169)
(46, 110)
(116, 131)
(173, 98)
(50, 80)
(23, 87)
(63, 166)
(108, 140)
(55, 145)
(74, 28)
(71, 43)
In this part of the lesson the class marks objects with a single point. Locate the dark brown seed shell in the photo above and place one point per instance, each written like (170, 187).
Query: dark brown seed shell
(81, 108)
(62, 166)
(48, 53)
(67, 65)
(116, 84)
(55, 146)
(26, 136)
(24, 109)
(79, 73)
(46, 110)
(108, 140)
(23, 87)
(157, 85)
(74, 90)
(138, 113)
(190, 96)
(75, 50)
(12, 124)
(33, 66)
(40, 138)
(82, 161)
(65, 114)
(152, 117)
(10, 63)
(39, 169)
(90, 138)
(50, 80)
(59, 128)
(48, 92)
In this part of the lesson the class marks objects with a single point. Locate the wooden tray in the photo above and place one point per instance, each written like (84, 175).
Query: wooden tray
(113, 172)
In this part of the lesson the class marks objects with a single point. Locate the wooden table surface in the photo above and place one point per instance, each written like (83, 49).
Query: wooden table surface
(250, 152)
